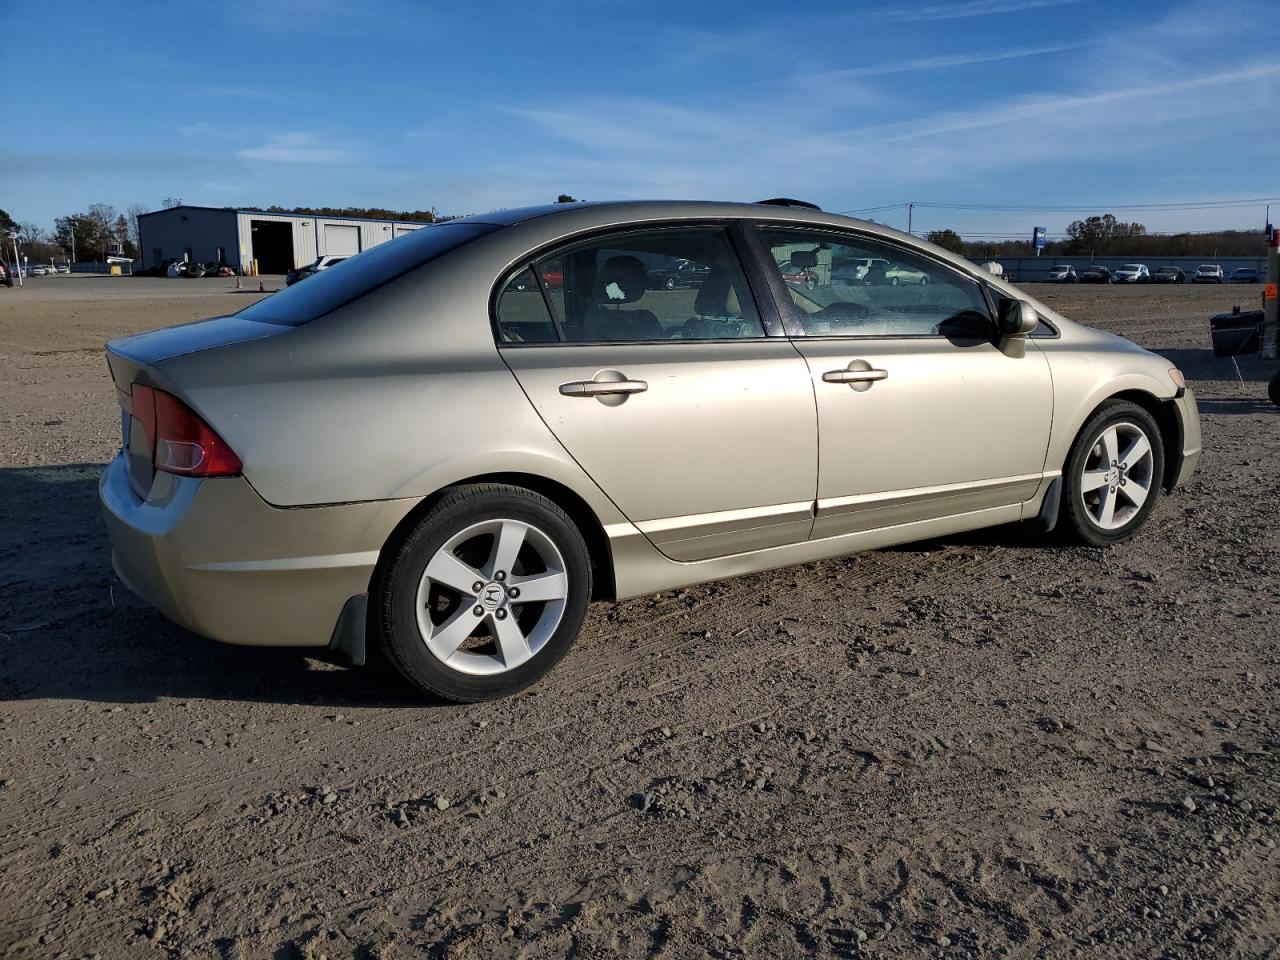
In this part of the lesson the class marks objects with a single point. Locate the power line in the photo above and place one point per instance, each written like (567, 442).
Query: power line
(1073, 208)
(887, 206)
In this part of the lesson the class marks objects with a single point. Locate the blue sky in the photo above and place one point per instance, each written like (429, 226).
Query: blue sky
(467, 107)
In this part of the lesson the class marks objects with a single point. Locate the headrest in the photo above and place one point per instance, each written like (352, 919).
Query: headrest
(717, 296)
(622, 279)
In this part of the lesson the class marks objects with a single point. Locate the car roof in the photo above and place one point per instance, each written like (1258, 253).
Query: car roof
(607, 212)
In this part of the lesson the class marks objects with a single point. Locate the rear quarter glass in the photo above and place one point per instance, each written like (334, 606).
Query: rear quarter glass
(337, 285)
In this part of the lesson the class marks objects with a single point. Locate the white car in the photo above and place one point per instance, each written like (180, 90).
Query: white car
(1208, 273)
(1063, 273)
(1132, 273)
(39, 270)
(63, 268)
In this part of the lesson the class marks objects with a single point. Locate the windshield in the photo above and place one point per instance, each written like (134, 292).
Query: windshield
(1208, 266)
(1132, 266)
(340, 283)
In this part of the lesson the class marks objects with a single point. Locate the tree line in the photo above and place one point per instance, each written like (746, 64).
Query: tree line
(1104, 235)
(94, 234)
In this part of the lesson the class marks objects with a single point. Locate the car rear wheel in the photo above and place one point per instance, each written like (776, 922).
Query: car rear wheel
(1113, 475)
(485, 595)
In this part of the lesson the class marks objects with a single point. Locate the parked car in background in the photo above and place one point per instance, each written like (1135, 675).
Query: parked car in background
(1168, 275)
(1063, 273)
(1244, 275)
(677, 273)
(900, 275)
(39, 270)
(552, 278)
(1208, 273)
(301, 273)
(797, 274)
(1095, 273)
(324, 469)
(6, 278)
(1131, 273)
(64, 268)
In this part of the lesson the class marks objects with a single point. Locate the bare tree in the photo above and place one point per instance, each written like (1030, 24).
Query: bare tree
(132, 212)
(33, 233)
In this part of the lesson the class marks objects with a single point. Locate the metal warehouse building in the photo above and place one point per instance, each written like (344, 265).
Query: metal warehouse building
(278, 241)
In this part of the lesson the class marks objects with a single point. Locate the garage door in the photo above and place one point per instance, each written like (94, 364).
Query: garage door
(341, 240)
(401, 231)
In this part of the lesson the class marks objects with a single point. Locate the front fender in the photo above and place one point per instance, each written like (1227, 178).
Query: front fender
(1084, 381)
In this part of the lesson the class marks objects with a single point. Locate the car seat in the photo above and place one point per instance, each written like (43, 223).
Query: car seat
(622, 279)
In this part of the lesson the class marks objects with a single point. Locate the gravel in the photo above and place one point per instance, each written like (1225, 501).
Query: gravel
(746, 768)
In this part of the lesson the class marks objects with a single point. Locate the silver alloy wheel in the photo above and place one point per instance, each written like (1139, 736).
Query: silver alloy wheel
(492, 596)
(1115, 479)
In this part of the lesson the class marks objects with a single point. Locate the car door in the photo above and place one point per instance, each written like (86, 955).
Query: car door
(920, 415)
(695, 421)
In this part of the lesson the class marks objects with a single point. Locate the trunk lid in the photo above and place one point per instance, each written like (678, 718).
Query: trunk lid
(128, 357)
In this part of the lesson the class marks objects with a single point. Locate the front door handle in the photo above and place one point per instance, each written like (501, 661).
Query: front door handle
(602, 388)
(855, 376)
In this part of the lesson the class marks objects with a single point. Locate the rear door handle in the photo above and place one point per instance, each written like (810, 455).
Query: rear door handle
(855, 376)
(602, 388)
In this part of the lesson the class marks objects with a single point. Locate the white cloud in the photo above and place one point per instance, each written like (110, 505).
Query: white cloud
(299, 148)
(943, 62)
(970, 8)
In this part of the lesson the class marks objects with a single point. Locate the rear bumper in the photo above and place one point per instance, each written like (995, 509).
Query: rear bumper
(214, 557)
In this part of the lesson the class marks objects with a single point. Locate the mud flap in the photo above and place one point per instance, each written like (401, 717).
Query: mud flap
(348, 640)
(1047, 518)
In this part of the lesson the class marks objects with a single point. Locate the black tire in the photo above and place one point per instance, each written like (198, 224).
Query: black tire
(1075, 521)
(1273, 389)
(395, 592)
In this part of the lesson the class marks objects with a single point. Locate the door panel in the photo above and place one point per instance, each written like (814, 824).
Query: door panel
(948, 430)
(717, 454)
(920, 415)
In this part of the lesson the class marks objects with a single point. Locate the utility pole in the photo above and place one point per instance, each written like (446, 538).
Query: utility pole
(910, 210)
(17, 261)
(1271, 312)
(71, 229)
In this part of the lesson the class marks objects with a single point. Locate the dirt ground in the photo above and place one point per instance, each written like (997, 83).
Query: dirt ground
(983, 746)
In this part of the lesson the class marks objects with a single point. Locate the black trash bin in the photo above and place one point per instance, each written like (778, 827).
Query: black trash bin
(1236, 333)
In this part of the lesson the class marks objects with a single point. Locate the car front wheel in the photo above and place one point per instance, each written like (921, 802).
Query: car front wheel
(1113, 475)
(486, 593)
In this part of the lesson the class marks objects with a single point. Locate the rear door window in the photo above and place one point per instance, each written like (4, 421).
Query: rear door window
(651, 285)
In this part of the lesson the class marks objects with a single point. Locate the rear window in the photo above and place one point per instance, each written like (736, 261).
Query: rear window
(339, 284)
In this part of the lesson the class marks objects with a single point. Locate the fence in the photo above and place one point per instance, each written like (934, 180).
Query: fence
(1031, 269)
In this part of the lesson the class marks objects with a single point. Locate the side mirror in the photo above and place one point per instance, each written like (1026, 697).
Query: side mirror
(1016, 321)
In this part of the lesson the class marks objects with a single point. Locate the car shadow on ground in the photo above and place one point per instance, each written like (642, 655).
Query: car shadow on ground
(1201, 364)
(70, 630)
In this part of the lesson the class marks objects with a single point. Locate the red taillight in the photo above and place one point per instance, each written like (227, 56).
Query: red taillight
(180, 441)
